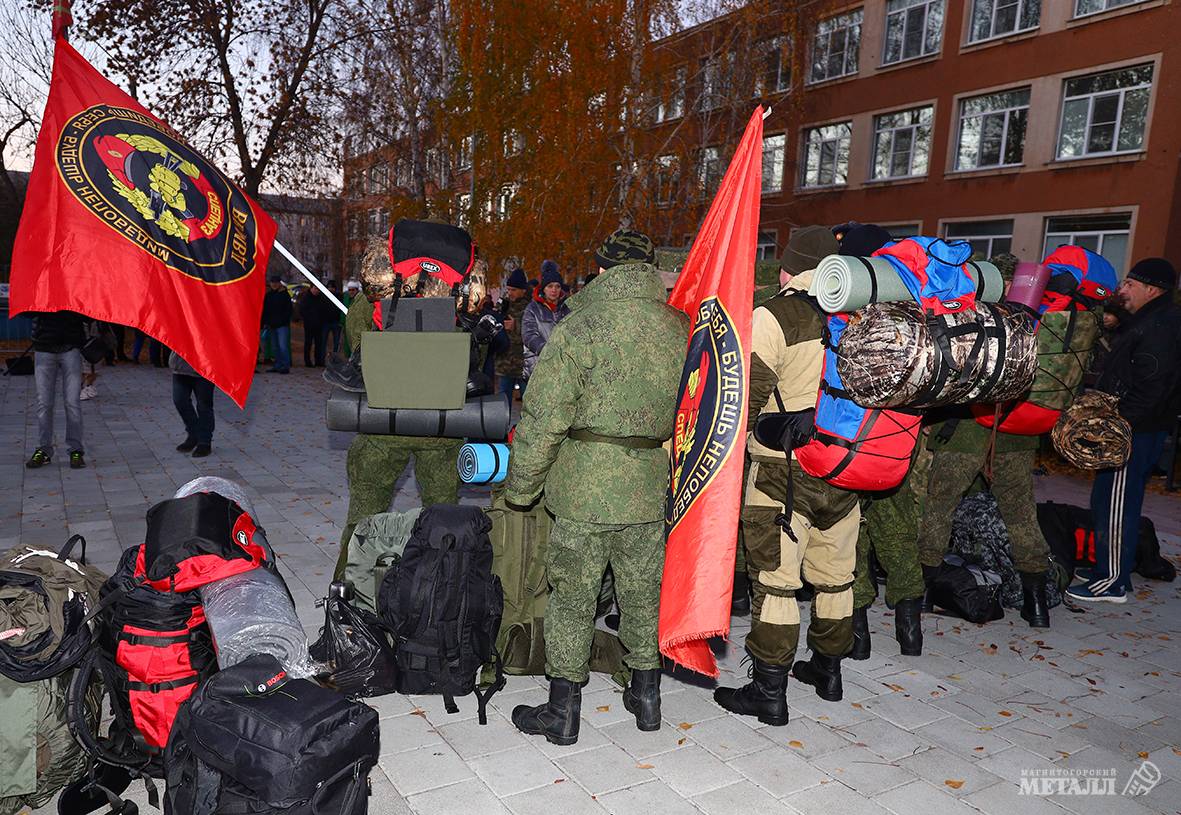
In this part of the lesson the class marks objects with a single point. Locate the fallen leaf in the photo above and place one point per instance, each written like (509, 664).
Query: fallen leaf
(1153, 673)
(794, 743)
(603, 708)
(955, 677)
(685, 726)
(893, 687)
(1086, 651)
(1143, 755)
(860, 744)
(1090, 681)
(645, 766)
(1063, 753)
(978, 749)
(559, 780)
(1004, 713)
(680, 742)
(954, 783)
(822, 718)
(857, 705)
(1176, 751)
(418, 712)
(986, 727)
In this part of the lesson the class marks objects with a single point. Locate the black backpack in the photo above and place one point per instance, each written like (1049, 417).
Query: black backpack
(1070, 532)
(443, 604)
(251, 740)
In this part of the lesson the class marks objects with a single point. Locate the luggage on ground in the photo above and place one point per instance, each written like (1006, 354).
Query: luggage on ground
(253, 740)
(443, 604)
(967, 589)
(1070, 532)
(356, 646)
(377, 544)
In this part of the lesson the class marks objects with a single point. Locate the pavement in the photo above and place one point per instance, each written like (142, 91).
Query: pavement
(954, 731)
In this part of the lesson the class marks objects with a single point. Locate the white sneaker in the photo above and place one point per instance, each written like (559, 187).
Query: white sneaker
(89, 392)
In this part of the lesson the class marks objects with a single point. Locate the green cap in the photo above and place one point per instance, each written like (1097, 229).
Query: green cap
(625, 246)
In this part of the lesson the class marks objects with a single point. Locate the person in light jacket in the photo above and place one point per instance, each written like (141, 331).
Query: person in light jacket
(546, 310)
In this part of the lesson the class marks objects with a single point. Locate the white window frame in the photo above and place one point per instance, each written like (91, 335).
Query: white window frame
(463, 205)
(667, 173)
(707, 158)
(850, 24)
(504, 200)
(666, 111)
(1108, 5)
(778, 48)
(846, 136)
(913, 127)
(1119, 115)
(766, 249)
(991, 237)
(466, 152)
(1008, 113)
(1103, 235)
(903, 12)
(717, 74)
(778, 155)
(993, 34)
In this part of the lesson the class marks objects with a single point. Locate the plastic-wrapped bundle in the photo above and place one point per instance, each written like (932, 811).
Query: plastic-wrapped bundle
(843, 284)
(1091, 434)
(228, 489)
(891, 355)
(483, 463)
(252, 613)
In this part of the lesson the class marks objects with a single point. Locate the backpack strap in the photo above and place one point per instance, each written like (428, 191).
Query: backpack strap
(483, 697)
(69, 547)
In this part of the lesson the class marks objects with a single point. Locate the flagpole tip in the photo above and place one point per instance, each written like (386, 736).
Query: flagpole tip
(766, 113)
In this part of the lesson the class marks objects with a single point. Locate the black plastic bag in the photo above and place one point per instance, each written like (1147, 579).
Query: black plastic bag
(356, 644)
(967, 590)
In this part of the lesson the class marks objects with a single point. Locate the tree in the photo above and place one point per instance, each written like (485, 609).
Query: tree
(26, 63)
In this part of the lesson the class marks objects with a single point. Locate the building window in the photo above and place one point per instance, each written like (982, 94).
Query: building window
(773, 71)
(774, 153)
(826, 155)
(374, 225)
(379, 179)
(717, 72)
(902, 143)
(466, 150)
(1105, 113)
(354, 226)
(988, 238)
(402, 173)
(709, 170)
(835, 47)
(900, 232)
(463, 206)
(667, 175)
(1084, 7)
(1106, 235)
(504, 200)
(514, 143)
(672, 106)
(992, 130)
(997, 18)
(766, 247)
(913, 29)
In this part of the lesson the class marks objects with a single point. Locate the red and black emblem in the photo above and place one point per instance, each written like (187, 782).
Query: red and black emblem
(710, 412)
(138, 177)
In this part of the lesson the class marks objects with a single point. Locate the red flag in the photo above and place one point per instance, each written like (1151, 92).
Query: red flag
(124, 222)
(63, 17)
(716, 289)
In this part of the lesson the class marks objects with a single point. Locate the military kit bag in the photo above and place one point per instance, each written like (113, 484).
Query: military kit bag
(443, 604)
(967, 590)
(255, 742)
(1091, 434)
(1070, 532)
(377, 543)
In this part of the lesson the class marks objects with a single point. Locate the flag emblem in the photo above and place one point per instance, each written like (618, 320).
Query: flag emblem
(137, 177)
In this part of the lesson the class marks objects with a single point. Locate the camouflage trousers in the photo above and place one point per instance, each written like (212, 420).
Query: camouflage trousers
(890, 529)
(578, 554)
(952, 474)
(776, 564)
(375, 463)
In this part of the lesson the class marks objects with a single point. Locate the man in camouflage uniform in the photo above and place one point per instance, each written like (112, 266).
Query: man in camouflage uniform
(510, 363)
(601, 403)
(963, 450)
(375, 462)
(787, 358)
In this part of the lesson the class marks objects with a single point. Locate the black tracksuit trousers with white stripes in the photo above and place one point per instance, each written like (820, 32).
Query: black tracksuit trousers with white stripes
(1116, 500)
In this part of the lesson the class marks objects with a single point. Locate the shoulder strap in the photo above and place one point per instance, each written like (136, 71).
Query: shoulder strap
(69, 547)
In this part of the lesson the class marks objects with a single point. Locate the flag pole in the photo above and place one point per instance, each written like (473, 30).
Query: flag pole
(315, 281)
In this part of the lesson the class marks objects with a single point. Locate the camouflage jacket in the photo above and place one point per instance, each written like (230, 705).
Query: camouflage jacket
(612, 367)
(511, 361)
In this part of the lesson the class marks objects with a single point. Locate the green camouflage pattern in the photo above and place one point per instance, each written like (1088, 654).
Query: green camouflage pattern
(626, 247)
(1005, 263)
(576, 559)
(970, 437)
(612, 367)
(1060, 371)
(890, 529)
(952, 474)
(511, 361)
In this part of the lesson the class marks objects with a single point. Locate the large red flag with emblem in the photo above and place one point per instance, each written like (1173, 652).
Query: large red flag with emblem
(716, 290)
(126, 223)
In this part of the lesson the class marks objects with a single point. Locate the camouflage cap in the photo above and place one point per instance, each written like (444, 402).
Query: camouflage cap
(1006, 264)
(625, 246)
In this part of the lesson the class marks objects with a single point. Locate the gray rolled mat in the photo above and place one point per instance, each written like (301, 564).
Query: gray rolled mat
(485, 418)
(252, 613)
(848, 283)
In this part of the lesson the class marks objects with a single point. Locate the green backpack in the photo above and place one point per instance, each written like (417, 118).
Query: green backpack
(377, 544)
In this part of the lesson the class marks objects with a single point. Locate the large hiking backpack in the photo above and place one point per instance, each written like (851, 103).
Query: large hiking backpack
(444, 605)
(44, 599)
(1070, 532)
(1068, 330)
(377, 544)
(252, 741)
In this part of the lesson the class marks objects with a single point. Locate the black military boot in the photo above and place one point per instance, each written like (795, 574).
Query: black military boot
(823, 673)
(765, 696)
(1036, 608)
(908, 626)
(557, 719)
(740, 597)
(642, 699)
(860, 633)
(345, 373)
(928, 579)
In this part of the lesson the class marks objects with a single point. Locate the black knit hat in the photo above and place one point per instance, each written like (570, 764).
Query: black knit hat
(863, 240)
(517, 279)
(625, 246)
(806, 247)
(1155, 272)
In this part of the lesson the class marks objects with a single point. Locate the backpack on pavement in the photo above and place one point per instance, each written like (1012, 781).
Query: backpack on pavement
(967, 589)
(1070, 531)
(377, 544)
(443, 604)
(251, 740)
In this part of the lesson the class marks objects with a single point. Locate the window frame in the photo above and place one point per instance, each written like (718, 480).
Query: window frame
(667, 174)
(904, 12)
(1090, 97)
(981, 235)
(873, 154)
(1075, 15)
(780, 46)
(859, 13)
(1017, 31)
(782, 163)
(1008, 111)
(1103, 234)
(704, 188)
(760, 245)
(805, 145)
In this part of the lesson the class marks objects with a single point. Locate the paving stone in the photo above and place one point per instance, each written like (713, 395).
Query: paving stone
(904, 710)
(805, 738)
(1110, 736)
(516, 770)
(963, 738)
(647, 799)
(641, 744)
(919, 796)
(424, 769)
(565, 798)
(400, 734)
(470, 739)
(463, 798)
(1042, 739)
(1002, 799)
(833, 798)
(726, 737)
(604, 769)
(939, 766)
(864, 771)
(884, 739)
(692, 770)
(779, 772)
(741, 797)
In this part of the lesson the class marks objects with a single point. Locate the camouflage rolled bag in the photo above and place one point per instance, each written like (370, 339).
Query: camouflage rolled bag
(519, 544)
(1092, 435)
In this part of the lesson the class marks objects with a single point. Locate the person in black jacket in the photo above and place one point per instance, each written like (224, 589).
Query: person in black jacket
(58, 337)
(1143, 369)
(311, 311)
(276, 320)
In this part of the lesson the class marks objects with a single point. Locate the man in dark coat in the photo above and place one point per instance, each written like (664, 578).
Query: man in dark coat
(276, 321)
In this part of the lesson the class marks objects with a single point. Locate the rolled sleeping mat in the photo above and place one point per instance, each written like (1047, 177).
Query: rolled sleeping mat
(1091, 434)
(483, 463)
(485, 418)
(252, 613)
(892, 355)
(843, 284)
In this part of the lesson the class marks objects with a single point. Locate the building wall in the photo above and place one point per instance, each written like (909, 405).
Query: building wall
(311, 229)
